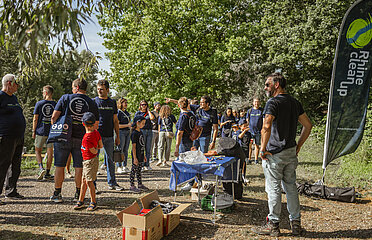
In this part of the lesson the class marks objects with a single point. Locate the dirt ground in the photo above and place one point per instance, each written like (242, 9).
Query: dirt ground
(36, 217)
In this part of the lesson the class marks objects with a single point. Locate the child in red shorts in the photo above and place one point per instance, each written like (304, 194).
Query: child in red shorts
(92, 141)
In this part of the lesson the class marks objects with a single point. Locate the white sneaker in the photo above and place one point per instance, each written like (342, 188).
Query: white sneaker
(145, 169)
(149, 168)
(126, 170)
(187, 187)
(158, 163)
(165, 165)
(119, 170)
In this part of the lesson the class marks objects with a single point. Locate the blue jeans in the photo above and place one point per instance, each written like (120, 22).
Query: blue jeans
(147, 135)
(108, 146)
(280, 170)
(62, 151)
(202, 143)
(184, 147)
(124, 145)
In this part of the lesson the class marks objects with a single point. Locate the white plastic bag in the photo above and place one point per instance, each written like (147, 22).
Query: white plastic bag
(193, 157)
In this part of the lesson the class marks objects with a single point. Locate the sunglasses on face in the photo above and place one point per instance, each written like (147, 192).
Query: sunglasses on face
(267, 84)
(143, 104)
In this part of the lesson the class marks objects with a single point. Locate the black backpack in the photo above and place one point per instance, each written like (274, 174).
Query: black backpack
(231, 148)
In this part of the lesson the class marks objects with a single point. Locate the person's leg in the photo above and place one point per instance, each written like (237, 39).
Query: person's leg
(39, 159)
(7, 148)
(273, 171)
(196, 143)
(83, 190)
(77, 164)
(204, 143)
(108, 146)
(168, 146)
(148, 139)
(68, 164)
(257, 142)
(289, 183)
(14, 170)
(126, 147)
(250, 152)
(132, 174)
(161, 148)
(49, 158)
(92, 191)
(122, 142)
(154, 145)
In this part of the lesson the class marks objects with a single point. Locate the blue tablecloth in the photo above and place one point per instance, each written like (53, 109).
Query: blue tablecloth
(185, 172)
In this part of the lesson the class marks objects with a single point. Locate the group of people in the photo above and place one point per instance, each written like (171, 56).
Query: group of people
(105, 123)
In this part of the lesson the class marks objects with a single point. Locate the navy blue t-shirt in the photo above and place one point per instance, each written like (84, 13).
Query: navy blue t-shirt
(146, 115)
(206, 119)
(107, 108)
(139, 140)
(124, 118)
(12, 121)
(225, 118)
(168, 123)
(44, 109)
(77, 104)
(186, 123)
(286, 110)
(255, 117)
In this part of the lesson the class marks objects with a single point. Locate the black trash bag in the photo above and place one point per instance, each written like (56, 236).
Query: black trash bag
(231, 148)
(332, 193)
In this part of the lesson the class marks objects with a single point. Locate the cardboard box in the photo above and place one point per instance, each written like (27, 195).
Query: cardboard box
(172, 219)
(203, 192)
(147, 227)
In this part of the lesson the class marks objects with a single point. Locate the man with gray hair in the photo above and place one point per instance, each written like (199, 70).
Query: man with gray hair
(12, 129)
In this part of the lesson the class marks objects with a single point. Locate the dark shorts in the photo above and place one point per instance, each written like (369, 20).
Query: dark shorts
(63, 150)
(256, 139)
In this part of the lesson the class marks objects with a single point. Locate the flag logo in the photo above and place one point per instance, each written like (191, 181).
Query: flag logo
(359, 33)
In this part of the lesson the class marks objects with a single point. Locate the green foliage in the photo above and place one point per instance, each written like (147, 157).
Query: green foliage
(59, 73)
(183, 48)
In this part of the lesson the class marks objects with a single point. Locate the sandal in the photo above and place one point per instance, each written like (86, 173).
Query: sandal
(79, 205)
(92, 206)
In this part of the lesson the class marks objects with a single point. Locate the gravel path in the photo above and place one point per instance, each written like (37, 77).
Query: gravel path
(37, 218)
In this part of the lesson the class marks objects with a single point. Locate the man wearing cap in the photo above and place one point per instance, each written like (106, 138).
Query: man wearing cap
(155, 133)
(12, 129)
(108, 122)
(76, 104)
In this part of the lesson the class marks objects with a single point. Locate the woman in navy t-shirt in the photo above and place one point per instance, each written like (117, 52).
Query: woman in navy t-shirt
(226, 122)
(124, 133)
(165, 123)
(147, 129)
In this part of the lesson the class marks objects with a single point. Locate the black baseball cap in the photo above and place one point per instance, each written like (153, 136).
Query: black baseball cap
(89, 118)
(137, 119)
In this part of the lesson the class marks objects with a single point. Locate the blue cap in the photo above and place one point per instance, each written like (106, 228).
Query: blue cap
(89, 118)
(137, 119)
(234, 125)
(242, 121)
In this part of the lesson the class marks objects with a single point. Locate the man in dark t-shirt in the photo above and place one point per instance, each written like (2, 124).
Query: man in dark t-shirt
(108, 122)
(76, 104)
(255, 117)
(12, 129)
(40, 130)
(279, 153)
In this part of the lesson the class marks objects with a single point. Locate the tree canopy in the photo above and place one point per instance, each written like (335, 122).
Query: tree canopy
(224, 48)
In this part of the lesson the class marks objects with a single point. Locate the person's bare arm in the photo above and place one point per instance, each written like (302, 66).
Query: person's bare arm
(265, 135)
(135, 160)
(168, 100)
(214, 137)
(100, 144)
(152, 116)
(306, 129)
(241, 135)
(55, 116)
(34, 124)
(178, 142)
(116, 129)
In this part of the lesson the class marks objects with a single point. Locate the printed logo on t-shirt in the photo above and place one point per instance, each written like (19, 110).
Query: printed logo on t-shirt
(192, 122)
(47, 111)
(78, 106)
(141, 141)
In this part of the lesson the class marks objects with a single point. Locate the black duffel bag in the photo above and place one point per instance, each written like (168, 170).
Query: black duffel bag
(332, 193)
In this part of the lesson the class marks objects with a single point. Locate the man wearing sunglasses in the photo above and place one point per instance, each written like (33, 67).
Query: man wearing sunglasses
(279, 153)
(12, 129)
